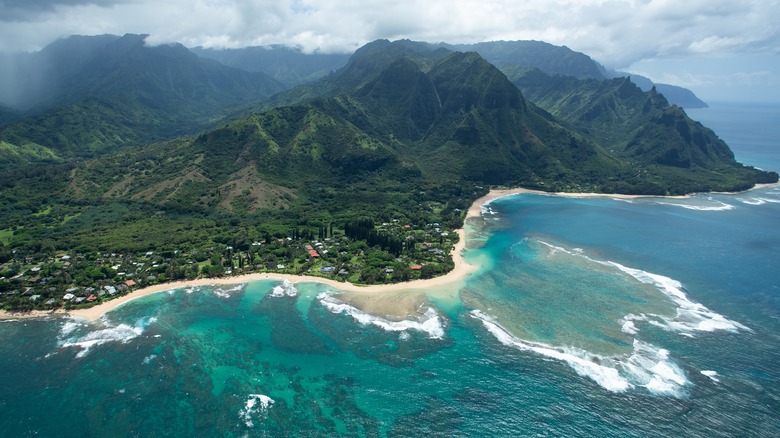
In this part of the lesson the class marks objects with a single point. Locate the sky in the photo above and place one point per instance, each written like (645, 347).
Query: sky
(723, 50)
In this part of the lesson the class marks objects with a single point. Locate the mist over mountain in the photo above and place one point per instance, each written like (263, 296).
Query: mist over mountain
(290, 66)
(83, 95)
(413, 113)
(679, 96)
(150, 154)
(422, 109)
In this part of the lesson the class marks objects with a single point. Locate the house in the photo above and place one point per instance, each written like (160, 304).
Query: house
(130, 283)
(327, 269)
(91, 298)
(415, 267)
(313, 253)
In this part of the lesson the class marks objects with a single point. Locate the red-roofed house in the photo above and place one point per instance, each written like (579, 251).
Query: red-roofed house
(313, 253)
(130, 283)
(91, 298)
(415, 267)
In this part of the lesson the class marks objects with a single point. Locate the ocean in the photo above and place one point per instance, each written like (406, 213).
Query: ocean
(588, 317)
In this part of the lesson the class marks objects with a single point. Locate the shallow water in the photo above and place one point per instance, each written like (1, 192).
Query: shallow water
(590, 317)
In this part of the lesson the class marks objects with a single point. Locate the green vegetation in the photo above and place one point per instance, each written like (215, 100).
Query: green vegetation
(362, 177)
(112, 92)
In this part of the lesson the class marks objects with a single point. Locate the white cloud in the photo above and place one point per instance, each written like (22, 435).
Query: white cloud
(616, 33)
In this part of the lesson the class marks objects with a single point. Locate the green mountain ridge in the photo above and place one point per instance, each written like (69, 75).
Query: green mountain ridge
(127, 93)
(454, 117)
(404, 136)
(287, 65)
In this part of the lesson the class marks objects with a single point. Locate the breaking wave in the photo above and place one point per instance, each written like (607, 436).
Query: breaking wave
(72, 334)
(256, 403)
(429, 323)
(713, 375)
(286, 289)
(711, 205)
(647, 366)
(690, 316)
(223, 292)
(759, 201)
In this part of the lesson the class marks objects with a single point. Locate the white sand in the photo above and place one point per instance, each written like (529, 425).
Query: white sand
(460, 271)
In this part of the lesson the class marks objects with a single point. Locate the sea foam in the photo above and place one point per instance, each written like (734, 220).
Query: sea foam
(690, 316)
(222, 292)
(759, 201)
(109, 333)
(711, 374)
(647, 366)
(286, 289)
(256, 403)
(429, 323)
(712, 204)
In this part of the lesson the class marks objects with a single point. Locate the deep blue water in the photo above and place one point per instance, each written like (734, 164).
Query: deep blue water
(592, 317)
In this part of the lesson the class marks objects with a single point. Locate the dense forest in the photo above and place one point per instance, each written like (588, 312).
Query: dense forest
(132, 179)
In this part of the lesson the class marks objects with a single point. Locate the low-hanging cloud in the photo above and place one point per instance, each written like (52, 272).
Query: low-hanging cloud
(614, 32)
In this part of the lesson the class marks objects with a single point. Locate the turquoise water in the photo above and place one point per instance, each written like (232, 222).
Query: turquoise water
(591, 317)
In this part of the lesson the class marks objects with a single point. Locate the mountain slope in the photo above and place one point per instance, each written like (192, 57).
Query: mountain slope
(551, 59)
(122, 92)
(290, 66)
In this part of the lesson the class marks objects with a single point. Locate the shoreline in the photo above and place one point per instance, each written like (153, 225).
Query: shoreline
(461, 269)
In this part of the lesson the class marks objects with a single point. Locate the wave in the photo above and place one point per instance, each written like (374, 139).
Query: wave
(254, 404)
(285, 289)
(429, 323)
(715, 206)
(759, 201)
(713, 375)
(110, 333)
(647, 366)
(690, 316)
(222, 292)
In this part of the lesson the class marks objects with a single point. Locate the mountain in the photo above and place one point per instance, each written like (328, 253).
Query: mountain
(608, 111)
(415, 114)
(549, 58)
(290, 66)
(8, 115)
(639, 126)
(106, 92)
(405, 135)
(679, 96)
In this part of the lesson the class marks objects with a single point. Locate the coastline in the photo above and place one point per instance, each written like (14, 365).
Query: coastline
(461, 269)
(459, 272)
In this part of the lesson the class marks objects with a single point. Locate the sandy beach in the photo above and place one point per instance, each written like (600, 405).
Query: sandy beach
(461, 270)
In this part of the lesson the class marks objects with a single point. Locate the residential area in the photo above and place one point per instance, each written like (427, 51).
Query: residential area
(71, 280)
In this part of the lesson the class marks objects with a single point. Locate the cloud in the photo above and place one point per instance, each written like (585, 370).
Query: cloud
(30, 10)
(614, 32)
